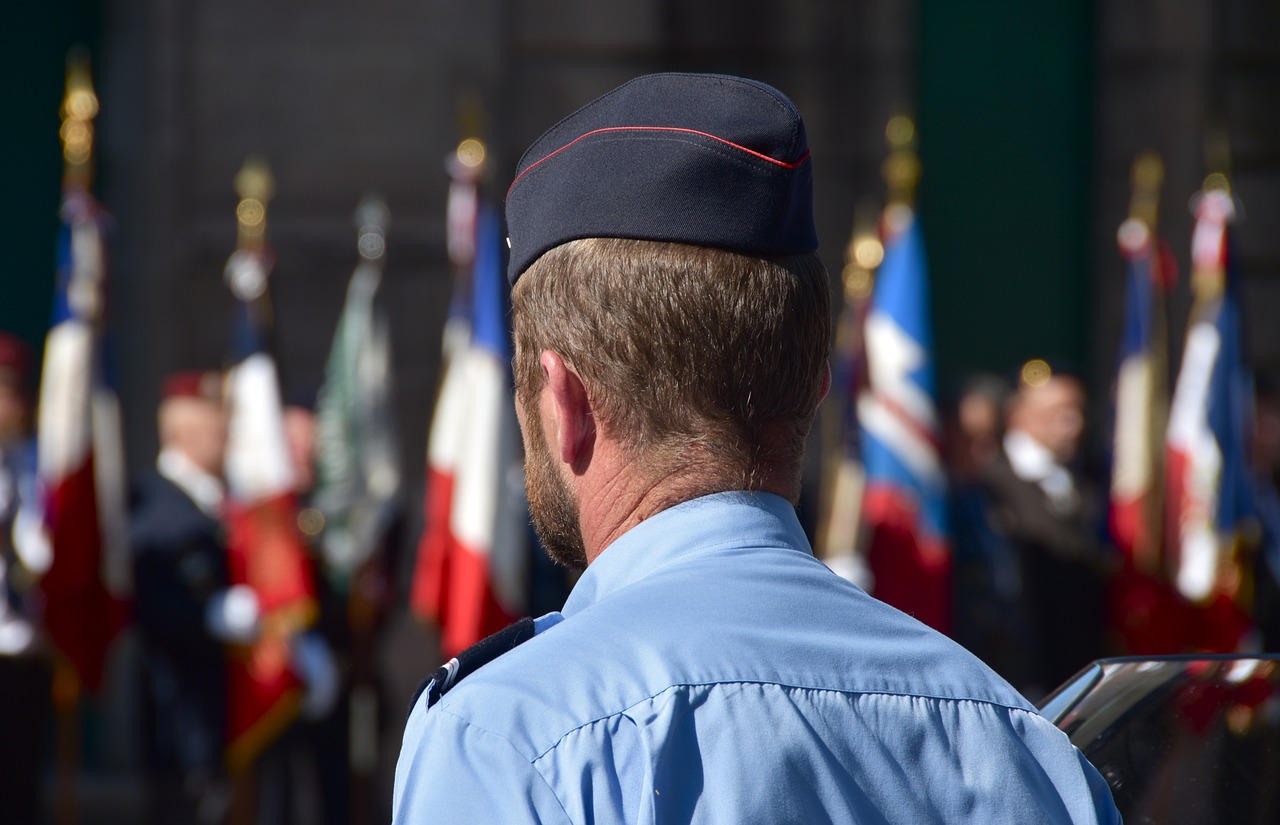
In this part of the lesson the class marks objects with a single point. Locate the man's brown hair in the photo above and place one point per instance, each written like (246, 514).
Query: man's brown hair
(692, 357)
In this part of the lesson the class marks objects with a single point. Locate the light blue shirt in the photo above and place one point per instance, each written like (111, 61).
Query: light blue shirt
(708, 669)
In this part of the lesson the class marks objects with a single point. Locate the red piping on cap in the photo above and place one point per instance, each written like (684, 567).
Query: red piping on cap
(754, 153)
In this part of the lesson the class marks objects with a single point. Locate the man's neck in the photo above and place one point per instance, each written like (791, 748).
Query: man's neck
(620, 492)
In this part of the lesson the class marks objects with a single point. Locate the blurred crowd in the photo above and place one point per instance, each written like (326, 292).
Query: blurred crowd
(1038, 590)
(1040, 587)
(190, 619)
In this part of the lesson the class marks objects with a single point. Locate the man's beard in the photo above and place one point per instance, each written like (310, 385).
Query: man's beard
(551, 506)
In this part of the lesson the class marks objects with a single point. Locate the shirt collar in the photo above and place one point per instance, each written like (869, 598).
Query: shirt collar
(204, 489)
(1033, 462)
(1030, 460)
(716, 522)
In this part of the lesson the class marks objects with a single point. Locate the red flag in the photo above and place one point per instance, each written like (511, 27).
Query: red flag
(264, 692)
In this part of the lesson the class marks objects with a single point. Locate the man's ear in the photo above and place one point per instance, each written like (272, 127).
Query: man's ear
(826, 382)
(574, 420)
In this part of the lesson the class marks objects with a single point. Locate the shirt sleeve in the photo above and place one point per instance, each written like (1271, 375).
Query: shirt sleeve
(451, 771)
(1099, 793)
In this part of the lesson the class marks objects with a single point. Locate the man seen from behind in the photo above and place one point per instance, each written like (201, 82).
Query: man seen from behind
(672, 327)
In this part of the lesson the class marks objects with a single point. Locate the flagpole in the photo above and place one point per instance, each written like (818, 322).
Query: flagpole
(79, 107)
(1234, 575)
(842, 476)
(371, 218)
(904, 500)
(901, 169)
(254, 185)
(1144, 208)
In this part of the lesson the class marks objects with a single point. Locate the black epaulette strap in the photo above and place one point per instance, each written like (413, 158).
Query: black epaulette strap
(472, 659)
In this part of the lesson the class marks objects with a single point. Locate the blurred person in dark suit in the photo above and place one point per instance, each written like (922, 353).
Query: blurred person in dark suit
(1042, 506)
(185, 610)
(25, 667)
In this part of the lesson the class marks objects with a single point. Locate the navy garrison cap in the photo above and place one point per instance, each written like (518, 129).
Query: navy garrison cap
(709, 160)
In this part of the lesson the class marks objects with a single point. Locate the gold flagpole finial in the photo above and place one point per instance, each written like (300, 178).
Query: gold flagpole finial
(863, 254)
(1214, 208)
(372, 217)
(1217, 158)
(79, 107)
(901, 168)
(472, 153)
(1138, 229)
(1147, 177)
(468, 161)
(1217, 182)
(255, 186)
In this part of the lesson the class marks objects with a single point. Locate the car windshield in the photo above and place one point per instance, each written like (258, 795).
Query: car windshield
(1180, 739)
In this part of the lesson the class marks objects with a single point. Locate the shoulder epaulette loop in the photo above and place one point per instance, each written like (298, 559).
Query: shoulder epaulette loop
(443, 678)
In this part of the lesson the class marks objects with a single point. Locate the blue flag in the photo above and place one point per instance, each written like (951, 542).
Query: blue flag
(905, 503)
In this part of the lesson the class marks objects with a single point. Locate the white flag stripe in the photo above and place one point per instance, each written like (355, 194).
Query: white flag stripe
(1132, 466)
(913, 449)
(257, 463)
(1190, 434)
(65, 384)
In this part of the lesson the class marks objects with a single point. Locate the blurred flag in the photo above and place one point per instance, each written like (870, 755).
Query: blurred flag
(358, 477)
(1208, 487)
(78, 446)
(1136, 462)
(842, 473)
(1148, 615)
(904, 505)
(83, 546)
(471, 576)
(264, 548)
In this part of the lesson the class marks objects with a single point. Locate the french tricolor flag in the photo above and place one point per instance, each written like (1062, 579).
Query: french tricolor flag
(1148, 615)
(904, 504)
(471, 575)
(1208, 489)
(78, 448)
(264, 548)
(1139, 385)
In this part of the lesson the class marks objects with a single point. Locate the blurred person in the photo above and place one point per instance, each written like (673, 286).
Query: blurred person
(185, 611)
(344, 741)
(672, 325)
(974, 426)
(1040, 503)
(25, 665)
(1266, 469)
(984, 572)
(301, 777)
(300, 441)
